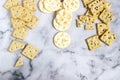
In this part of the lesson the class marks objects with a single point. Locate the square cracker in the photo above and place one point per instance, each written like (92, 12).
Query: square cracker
(106, 16)
(17, 11)
(101, 28)
(79, 23)
(96, 6)
(33, 22)
(11, 3)
(30, 51)
(16, 45)
(93, 42)
(19, 62)
(86, 2)
(17, 23)
(89, 27)
(30, 4)
(27, 15)
(20, 33)
(108, 37)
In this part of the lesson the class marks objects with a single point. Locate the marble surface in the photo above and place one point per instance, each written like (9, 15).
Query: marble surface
(74, 63)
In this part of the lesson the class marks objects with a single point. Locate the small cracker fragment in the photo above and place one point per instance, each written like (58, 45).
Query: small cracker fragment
(79, 23)
(11, 3)
(101, 28)
(106, 16)
(16, 45)
(20, 33)
(33, 22)
(62, 40)
(17, 11)
(30, 51)
(83, 18)
(108, 5)
(86, 2)
(71, 5)
(30, 4)
(93, 42)
(89, 27)
(96, 6)
(90, 19)
(17, 23)
(19, 62)
(108, 37)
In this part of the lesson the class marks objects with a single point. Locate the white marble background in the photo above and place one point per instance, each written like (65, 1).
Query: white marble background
(74, 63)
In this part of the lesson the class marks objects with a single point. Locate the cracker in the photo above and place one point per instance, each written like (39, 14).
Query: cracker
(96, 6)
(108, 37)
(52, 5)
(83, 18)
(106, 16)
(17, 11)
(62, 40)
(41, 7)
(15, 46)
(79, 23)
(11, 3)
(19, 62)
(108, 5)
(89, 27)
(30, 4)
(93, 42)
(20, 33)
(27, 15)
(33, 22)
(101, 28)
(71, 5)
(60, 27)
(30, 51)
(90, 19)
(17, 23)
(62, 20)
(86, 2)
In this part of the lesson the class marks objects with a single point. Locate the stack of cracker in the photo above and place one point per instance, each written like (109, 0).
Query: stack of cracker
(22, 19)
(62, 19)
(97, 9)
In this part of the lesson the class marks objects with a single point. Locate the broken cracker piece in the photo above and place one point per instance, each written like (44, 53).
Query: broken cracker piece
(19, 62)
(16, 45)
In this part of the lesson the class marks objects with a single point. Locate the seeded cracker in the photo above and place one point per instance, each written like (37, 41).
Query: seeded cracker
(19, 62)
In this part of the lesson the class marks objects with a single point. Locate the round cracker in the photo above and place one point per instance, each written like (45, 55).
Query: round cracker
(71, 5)
(41, 7)
(62, 20)
(62, 40)
(60, 27)
(63, 16)
(52, 5)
